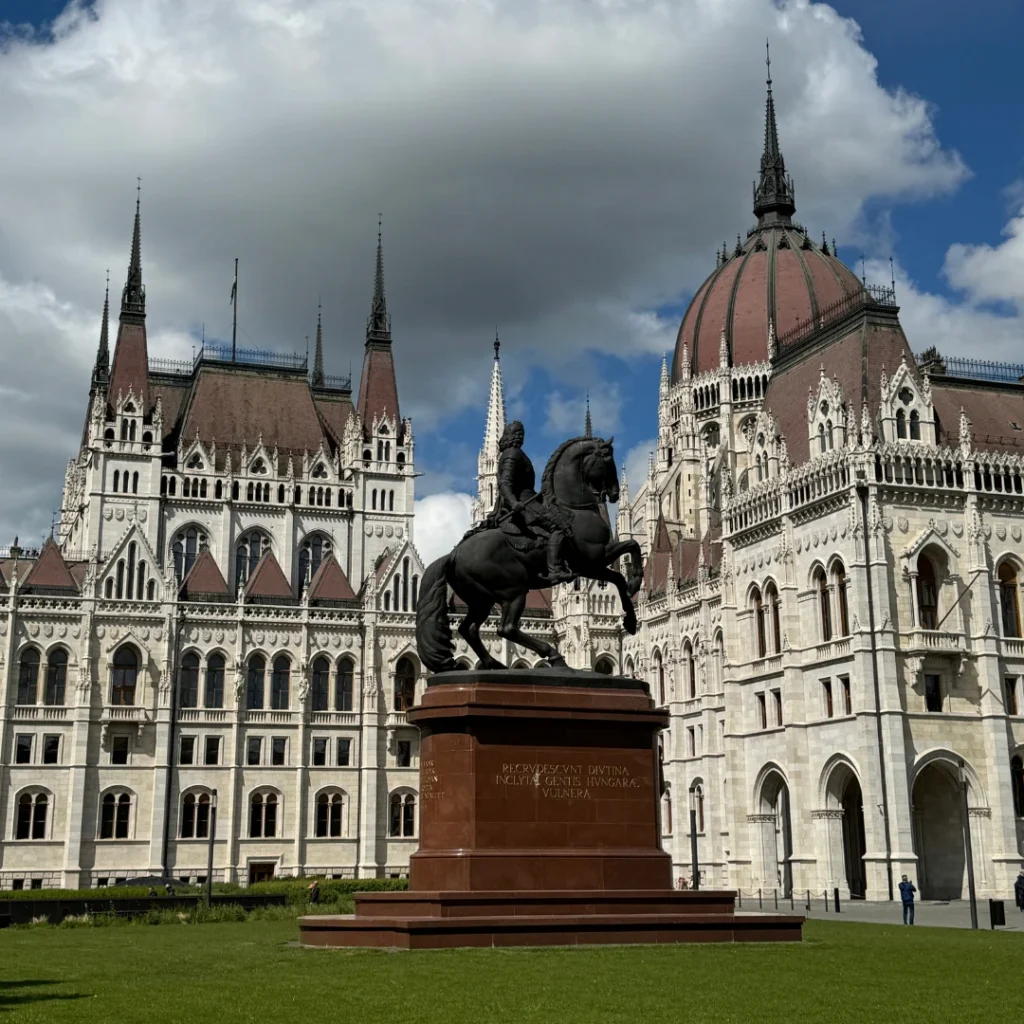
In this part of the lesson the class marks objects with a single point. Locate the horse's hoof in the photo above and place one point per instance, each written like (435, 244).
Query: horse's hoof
(557, 661)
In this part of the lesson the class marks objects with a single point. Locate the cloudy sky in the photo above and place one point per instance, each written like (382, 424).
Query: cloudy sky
(563, 170)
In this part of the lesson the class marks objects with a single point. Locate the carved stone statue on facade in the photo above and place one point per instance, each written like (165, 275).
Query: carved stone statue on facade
(530, 540)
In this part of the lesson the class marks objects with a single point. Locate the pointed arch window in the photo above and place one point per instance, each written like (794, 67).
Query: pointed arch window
(915, 426)
(279, 684)
(840, 581)
(28, 676)
(328, 815)
(344, 685)
(405, 684)
(125, 676)
(772, 598)
(56, 677)
(760, 630)
(691, 671)
(321, 684)
(215, 681)
(901, 423)
(927, 593)
(698, 805)
(313, 551)
(1009, 603)
(824, 604)
(254, 683)
(250, 548)
(659, 671)
(188, 686)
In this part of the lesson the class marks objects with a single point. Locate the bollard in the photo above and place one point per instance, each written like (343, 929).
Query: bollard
(835, 896)
(760, 905)
(775, 892)
(996, 913)
(808, 905)
(792, 904)
(739, 893)
(824, 899)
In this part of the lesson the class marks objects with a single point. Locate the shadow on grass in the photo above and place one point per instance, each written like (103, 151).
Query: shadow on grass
(11, 998)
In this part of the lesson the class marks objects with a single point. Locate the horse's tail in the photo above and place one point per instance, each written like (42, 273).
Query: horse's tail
(433, 633)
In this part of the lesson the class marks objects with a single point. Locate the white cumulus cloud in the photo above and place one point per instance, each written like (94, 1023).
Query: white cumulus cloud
(441, 520)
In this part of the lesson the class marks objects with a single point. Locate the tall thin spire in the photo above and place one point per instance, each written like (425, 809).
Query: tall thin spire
(318, 357)
(588, 427)
(773, 195)
(378, 324)
(102, 368)
(495, 426)
(133, 298)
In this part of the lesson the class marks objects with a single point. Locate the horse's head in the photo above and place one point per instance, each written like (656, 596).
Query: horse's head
(599, 470)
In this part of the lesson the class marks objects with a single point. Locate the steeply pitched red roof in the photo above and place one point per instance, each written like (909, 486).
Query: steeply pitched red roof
(235, 406)
(50, 571)
(992, 411)
(204, 578)
(335, 413)
(378, 391)
(855, 360)
(172, 400)
(130, 371)
(329, 583)
(268, 581)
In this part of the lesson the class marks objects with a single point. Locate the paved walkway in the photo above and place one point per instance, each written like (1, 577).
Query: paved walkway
(928, 913)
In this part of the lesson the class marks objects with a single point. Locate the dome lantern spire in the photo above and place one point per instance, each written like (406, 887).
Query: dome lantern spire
(773, 195)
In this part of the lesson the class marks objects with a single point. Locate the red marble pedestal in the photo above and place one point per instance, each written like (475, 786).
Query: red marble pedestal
(539, 825)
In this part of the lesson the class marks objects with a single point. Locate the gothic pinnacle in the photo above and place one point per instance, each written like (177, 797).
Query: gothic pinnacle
(133, 298)
(318, 356)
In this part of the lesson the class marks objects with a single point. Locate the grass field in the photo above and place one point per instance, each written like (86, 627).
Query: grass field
(230, 973)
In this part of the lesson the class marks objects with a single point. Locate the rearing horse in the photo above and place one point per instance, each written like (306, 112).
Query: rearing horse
(485, 569)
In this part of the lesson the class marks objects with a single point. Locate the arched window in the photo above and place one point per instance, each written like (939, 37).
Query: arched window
(135, 483)
(172, 486)
(56, 677)
(822, 445)
(405, 684)
(218, 490)
(248, 551)
(151, 590)
(761, 633)
(824, 604)
(254, 683)
(380, 451)
(1017, 785)
(604, 667)
(343, 685)
(115, 816)
(187, 544)
(402, 816)
(415, 591)
(901, 423)
(387, 600)
(927, 593)
(1008, 600)
(117, 480)
(328, 816)
(32, 813)
(405, 583)
(691, 671)
(391, 501)
(28, 676)
(124, 677)
(279, 684)
(249, 492)
(666, 814)
(131, 431)
(842, 601)
(915, 426)
(234, 489)
(313, 551)
(659, 670)
(263, 816)
(697, 793)
(188, 687)
(186, 488)
(215, 681)
(321, 684)
(280, 494)
(772, 598)
(195, 816)
(373, 500)
(163, 485)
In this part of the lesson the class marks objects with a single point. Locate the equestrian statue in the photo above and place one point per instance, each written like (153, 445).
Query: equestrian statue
(531, 539)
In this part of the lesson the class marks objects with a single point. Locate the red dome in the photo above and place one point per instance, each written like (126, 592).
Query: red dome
(778, 274)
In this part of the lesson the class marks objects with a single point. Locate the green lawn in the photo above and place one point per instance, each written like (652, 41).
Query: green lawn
(248, 972)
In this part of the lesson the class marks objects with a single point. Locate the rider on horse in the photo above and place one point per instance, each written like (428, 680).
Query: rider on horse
(528, 515)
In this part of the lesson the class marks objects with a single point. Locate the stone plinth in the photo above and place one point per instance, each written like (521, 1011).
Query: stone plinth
(539, 825)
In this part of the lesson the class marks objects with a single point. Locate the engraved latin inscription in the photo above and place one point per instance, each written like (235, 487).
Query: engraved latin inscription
(430, 784)
(568, 781)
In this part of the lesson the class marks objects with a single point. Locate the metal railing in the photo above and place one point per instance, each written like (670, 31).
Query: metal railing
(870, 295)
(976, 369)
(175, 367)
(251, 357)
(770, 898)
(336, 382)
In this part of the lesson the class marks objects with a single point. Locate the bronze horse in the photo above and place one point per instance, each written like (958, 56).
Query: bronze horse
(486, 569)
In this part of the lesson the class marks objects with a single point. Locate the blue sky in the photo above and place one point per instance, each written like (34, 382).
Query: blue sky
(961, 60)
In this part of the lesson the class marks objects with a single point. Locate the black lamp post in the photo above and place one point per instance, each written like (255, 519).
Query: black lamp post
(967, 846)
(209, 848)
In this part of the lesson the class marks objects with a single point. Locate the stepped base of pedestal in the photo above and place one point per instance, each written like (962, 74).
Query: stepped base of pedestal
(436, 920)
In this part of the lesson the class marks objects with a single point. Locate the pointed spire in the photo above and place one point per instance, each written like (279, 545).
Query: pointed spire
(495, 405)
(318, 357)
(623, 489)
(773, 195)
(663, 383)
(133, 298)
(723, 349)
(102, 368)
(685, 367)
(588, 427)
(378, 324)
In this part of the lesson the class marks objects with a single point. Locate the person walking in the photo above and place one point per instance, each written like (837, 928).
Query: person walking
(314, 891)
(907, 890)
(1018, 890)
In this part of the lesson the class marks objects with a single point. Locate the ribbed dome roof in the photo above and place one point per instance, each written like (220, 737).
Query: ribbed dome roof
(778, 276)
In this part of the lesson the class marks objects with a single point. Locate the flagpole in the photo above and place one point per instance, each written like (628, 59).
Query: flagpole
(234, 315)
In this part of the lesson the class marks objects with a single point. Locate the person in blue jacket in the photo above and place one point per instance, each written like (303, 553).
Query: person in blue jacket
(907, 890)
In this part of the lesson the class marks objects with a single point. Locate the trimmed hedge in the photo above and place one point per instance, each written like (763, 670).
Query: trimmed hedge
(331, 889)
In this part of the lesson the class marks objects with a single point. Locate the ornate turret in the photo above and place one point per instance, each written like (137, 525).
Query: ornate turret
(773, 195)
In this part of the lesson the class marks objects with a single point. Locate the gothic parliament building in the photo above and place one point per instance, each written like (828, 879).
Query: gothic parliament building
(832, 530)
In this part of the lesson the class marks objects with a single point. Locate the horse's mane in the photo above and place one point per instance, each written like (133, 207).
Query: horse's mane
(547, 480)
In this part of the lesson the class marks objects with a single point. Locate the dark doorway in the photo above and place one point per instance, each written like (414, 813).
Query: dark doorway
(853, 839)
(939, 833)
(261, 872)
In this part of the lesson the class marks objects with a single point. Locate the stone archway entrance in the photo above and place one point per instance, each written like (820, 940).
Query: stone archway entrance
(939, 833)
(776, 833)
(852, 801)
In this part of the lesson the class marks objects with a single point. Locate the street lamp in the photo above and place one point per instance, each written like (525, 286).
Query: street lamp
(212, 831)
(967, 845)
